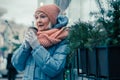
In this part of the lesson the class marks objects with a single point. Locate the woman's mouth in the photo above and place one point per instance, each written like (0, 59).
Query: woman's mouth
(40, 25)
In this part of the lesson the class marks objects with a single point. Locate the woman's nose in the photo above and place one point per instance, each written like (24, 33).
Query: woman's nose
(39, 20)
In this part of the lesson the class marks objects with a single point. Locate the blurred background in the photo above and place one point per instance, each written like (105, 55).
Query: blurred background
(17, 15)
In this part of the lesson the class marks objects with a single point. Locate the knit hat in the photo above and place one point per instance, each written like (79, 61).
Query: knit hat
(51, 11)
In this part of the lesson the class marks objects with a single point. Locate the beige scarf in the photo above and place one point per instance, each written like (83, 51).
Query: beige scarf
(52, 36)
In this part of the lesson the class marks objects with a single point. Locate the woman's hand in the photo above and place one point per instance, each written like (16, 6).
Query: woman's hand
(31, 38)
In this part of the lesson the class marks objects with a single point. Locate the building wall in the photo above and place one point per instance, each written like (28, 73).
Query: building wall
(77, 9)
(7, 36)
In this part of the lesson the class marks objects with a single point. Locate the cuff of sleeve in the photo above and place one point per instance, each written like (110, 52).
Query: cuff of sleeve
(26, 45)
(35, 44)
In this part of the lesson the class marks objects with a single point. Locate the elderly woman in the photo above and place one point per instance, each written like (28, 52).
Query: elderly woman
(42, 55)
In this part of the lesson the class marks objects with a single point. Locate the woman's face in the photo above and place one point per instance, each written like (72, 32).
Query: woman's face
(42, 21)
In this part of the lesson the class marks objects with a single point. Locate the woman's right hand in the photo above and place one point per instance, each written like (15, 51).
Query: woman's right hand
(26, 38)
(25, 42)
(31, 37)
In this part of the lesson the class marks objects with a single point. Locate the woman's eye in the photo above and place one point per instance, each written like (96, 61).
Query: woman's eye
(42, 16)
(36, 17)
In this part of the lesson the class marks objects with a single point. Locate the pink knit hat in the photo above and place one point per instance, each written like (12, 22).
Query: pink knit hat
(51, 11)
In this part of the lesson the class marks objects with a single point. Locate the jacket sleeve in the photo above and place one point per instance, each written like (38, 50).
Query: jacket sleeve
(20, 57)
(51, 65)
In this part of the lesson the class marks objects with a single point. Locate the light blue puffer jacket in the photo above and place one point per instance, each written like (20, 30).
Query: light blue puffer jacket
(41, 63)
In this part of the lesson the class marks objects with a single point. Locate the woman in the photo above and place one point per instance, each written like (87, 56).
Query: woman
(42, 56)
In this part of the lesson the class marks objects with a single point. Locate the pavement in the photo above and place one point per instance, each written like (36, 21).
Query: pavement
(7, 79)
(18, 77)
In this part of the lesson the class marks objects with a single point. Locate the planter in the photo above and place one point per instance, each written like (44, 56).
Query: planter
(86, 61)
(108, 62)
(82, 61)
(92, 62)
(101, 62)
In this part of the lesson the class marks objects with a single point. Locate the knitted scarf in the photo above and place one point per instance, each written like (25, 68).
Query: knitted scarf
(52, 36)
